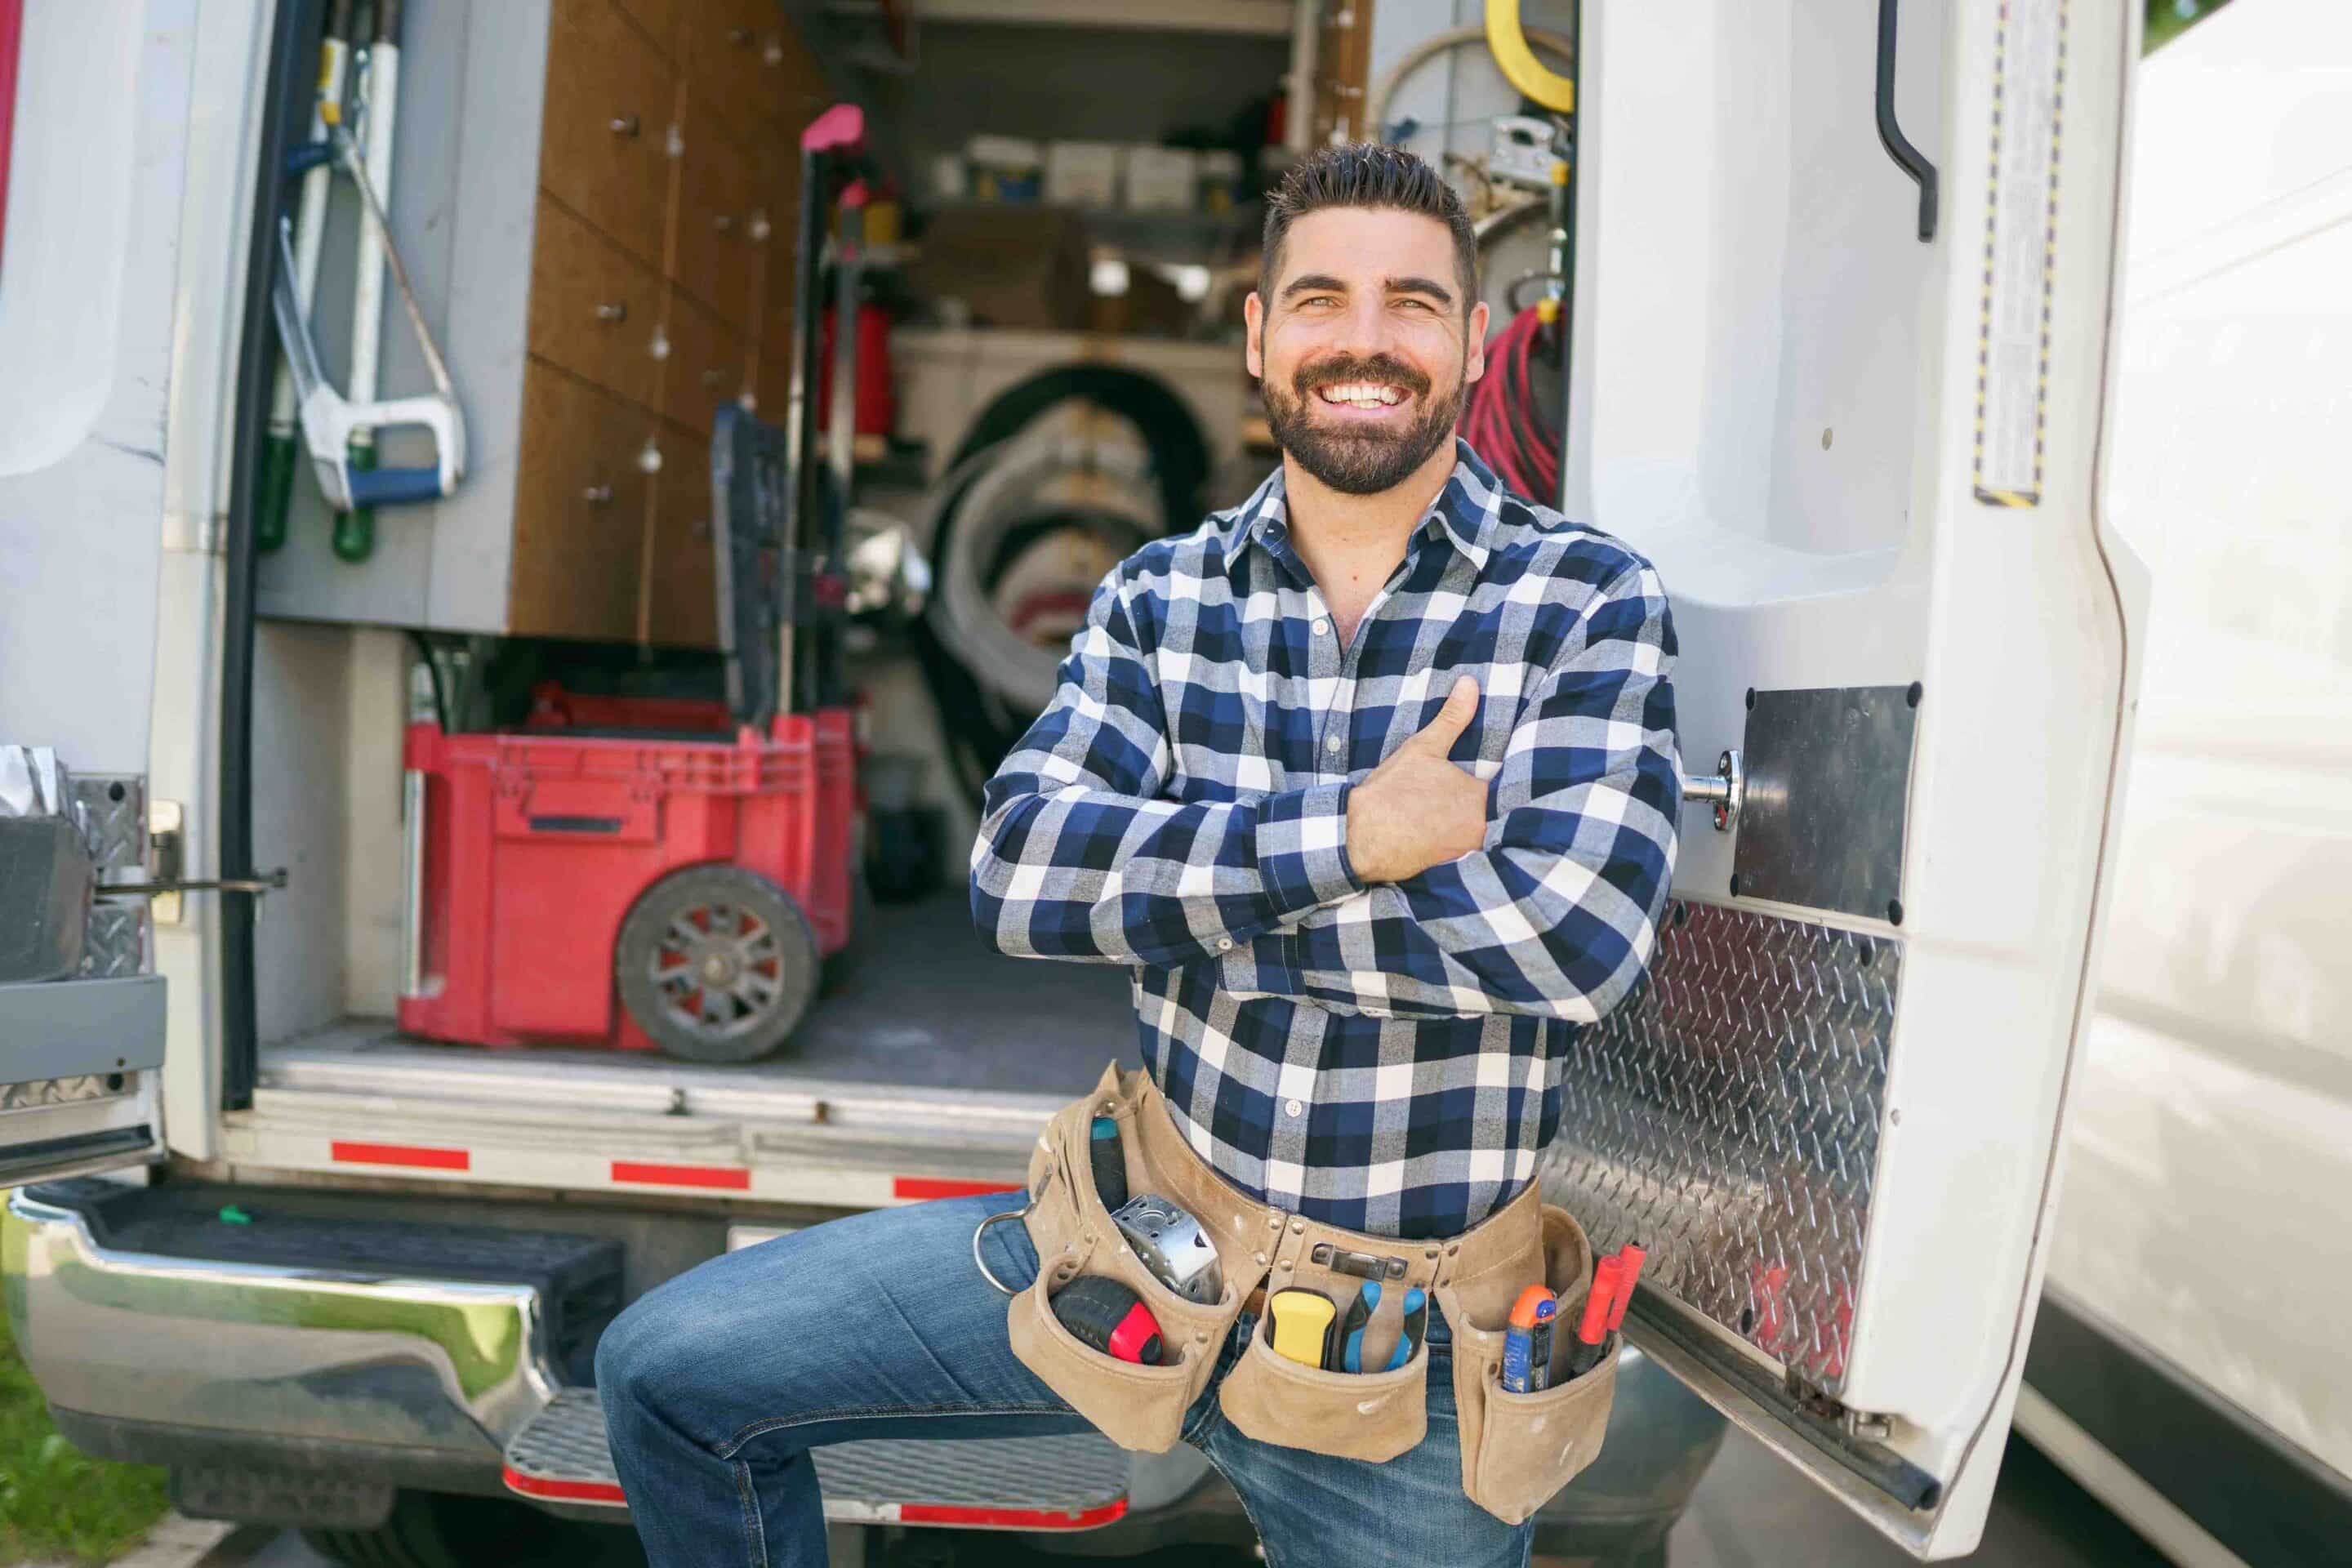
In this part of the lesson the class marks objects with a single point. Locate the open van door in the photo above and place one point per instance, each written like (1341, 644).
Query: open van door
(1844, 294)
(115, 332)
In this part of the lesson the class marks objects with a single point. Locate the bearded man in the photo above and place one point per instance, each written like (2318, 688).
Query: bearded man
(1371, 781)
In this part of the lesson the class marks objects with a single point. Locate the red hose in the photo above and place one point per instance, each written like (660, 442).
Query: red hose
(1501, 424)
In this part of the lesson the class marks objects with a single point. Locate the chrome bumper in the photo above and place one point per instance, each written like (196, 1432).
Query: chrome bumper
(445, 1371)
(419, 1380)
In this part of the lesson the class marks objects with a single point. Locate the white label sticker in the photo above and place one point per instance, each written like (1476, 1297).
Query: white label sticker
(2029, 85)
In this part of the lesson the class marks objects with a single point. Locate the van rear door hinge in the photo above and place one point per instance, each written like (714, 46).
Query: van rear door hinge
(1864, 1424)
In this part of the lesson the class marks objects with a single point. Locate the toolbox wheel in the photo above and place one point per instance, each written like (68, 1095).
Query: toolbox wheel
(715, 964)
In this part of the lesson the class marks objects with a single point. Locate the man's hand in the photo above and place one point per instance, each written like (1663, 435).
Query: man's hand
(1418, 807)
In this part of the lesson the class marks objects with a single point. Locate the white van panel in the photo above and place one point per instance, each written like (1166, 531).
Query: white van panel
(87, 301)
(2203, 1216)
(1837, 1128)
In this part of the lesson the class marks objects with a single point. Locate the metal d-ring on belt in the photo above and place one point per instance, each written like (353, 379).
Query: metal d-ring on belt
(1020, 1214)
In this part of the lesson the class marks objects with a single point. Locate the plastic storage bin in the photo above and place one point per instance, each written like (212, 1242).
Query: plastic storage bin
(636, 893)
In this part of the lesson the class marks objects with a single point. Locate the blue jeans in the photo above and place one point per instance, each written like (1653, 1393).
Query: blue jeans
(716, 1384)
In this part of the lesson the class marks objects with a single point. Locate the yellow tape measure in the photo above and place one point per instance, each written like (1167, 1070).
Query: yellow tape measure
(1302, 1325)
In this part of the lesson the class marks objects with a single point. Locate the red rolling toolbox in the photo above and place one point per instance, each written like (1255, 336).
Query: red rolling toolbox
(643, 894)
(552, 707)
(676, 890)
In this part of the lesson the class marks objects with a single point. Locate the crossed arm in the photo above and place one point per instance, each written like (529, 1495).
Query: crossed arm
(1079, 857)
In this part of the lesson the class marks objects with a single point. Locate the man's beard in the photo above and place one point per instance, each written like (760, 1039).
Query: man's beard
(1358, 462)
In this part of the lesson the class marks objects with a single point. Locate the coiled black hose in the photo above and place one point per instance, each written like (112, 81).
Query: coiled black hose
(980, 728)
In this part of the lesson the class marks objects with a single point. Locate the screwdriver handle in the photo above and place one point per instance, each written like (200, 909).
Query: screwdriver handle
(1109, 1164)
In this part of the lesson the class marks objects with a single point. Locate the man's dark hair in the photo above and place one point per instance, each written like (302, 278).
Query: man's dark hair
(1367, 175)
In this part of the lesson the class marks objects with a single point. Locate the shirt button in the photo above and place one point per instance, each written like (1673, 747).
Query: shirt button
(1321, 626)
(1294, 1108)
(1331, 742)
(1224, 944)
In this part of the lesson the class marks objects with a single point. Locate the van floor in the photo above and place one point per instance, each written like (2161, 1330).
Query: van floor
(930, 1008)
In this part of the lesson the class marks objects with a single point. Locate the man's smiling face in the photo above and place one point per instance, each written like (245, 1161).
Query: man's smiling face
(1364, 349)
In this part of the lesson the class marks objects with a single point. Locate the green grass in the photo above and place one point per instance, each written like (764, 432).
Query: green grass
(56, 1504)
(2168, 19)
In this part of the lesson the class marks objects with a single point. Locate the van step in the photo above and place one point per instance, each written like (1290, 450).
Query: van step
(1076, 1482)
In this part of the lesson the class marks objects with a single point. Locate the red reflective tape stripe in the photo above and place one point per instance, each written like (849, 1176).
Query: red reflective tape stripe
(402, 1154)
(1012, 1517)
(569, 1491)
(730, 1178)
(940, 1187)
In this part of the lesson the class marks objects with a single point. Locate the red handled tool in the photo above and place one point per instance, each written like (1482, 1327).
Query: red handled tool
(1629, 1258)
(1104, 1313)
(1592, 1327)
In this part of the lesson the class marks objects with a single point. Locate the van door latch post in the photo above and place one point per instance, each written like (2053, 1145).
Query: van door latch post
(166, 885)
(1724, 791)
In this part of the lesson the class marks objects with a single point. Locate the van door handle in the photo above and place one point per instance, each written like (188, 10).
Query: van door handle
(1907, 158)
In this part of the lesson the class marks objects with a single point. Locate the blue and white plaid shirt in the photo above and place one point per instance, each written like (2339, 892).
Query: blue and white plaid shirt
(1384, 1058)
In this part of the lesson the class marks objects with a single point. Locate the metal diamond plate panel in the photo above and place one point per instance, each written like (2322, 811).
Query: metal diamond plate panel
(66, 1090)
(1725, 1117)
(112, 808)
(114, 943)
(566, 1439)
(1072, 1474)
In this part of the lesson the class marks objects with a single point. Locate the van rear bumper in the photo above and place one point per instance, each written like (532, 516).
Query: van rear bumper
(370, 1380)
(169, 1359)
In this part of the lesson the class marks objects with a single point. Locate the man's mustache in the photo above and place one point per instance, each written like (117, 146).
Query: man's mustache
(1378, 369)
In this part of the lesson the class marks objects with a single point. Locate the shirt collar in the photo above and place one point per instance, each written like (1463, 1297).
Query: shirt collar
(1467, 511)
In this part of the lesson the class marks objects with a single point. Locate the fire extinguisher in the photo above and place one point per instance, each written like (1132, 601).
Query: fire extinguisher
(878, 398)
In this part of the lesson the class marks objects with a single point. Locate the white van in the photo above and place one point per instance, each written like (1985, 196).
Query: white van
(1844, 321)
(2189, 1366)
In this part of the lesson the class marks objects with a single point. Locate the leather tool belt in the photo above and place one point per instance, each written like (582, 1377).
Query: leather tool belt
(1518, 1450)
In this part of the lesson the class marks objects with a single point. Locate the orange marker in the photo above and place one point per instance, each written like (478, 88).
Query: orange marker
(1526, 1346)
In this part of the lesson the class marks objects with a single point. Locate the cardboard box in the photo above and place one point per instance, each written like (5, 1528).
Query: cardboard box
(1151, 308)
(1221, 182)
(1005, 168)
(1012, 266)
(1082, 173)
(1162, 179)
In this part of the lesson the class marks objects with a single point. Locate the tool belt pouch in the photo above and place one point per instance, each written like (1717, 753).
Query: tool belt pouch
(1374, 1415)
(1518, 1449)
(1135, 1407)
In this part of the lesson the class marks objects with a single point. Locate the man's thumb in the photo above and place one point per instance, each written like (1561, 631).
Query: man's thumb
(1460, 704)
